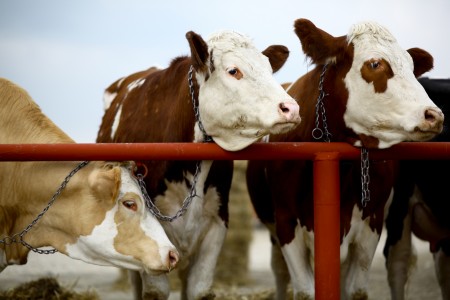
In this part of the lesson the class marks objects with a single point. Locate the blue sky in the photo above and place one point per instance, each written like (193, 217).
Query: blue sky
(65, 53)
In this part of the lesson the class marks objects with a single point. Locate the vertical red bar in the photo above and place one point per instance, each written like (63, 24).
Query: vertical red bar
(327, 225)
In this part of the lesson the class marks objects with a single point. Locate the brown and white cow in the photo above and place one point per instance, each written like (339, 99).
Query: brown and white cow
(99, 217)
(238, 102)
(372, 99)
(421, 207)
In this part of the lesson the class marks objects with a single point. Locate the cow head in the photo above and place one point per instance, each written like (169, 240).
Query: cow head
(115, 228)
(385, 102)
(239, 100)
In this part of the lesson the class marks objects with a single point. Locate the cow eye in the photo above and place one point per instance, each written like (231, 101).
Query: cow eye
(130, 204)
(375, 64)
(235, 72)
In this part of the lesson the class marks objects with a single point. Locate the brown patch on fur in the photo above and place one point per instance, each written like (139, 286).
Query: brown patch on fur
(129, 232)
(277, 55)
(378, 72)
(199, 52)
(369, 142)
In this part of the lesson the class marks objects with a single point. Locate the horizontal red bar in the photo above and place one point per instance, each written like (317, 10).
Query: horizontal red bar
(197, 151)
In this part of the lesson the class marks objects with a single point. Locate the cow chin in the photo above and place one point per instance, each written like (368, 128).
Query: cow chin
(237, 143)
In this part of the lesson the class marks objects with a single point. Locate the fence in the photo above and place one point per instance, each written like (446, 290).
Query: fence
(325, 157)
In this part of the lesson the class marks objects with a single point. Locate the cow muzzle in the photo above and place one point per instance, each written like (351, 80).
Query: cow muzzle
(433, 121)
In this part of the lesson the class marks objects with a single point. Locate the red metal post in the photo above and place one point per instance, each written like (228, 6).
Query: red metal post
(326, 226)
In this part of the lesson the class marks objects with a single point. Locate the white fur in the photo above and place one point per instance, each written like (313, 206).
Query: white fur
(299, 257)
(236, 112)
(135, 84)
(108, 98)
(116, 122)
(405, 98)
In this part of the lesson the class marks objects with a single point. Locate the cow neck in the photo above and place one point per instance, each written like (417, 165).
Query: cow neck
(324, 134)
(18, 238)
(193, 190)
(206, 138)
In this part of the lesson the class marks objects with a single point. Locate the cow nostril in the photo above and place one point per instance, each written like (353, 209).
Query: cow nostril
(430, 115)
(283, 108)
(173, 259)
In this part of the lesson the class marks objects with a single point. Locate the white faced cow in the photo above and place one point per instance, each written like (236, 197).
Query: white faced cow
(238, 102)
(367, 94)
(99, 217)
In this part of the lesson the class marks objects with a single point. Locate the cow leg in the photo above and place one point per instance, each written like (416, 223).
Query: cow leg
(298, 258)
(202, 267)
(442, 268)
(400, 260)
(145, 286)
(278, 265)
(356, 267)
(280, 272)
(136, 284)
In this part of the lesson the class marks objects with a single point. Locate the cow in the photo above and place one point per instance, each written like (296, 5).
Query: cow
(223, 92)
(420, 206)
(97, 213)
(363, 91)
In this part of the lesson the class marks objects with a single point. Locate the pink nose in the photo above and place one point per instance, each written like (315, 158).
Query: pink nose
(434, 119)
(290, 110)
(172, 259)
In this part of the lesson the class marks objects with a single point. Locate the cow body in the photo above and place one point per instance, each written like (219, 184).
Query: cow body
(420, 206)
(99, 217)
(238, 102)
(369, 100)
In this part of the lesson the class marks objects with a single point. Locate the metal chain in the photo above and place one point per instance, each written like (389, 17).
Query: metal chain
(206, 137)
(18, 237)
(318, 133)
(365, 178)
(193, 191)
(186, 202)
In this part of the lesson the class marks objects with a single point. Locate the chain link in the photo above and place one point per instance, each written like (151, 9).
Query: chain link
(317, 132)
(365, 178)
(18, 237)
(186, 202)
(206, 137)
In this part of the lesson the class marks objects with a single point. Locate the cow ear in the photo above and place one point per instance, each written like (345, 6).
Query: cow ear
(423, 61)
(316, 43)
(277, 55)
(105, 181)
(199, 51)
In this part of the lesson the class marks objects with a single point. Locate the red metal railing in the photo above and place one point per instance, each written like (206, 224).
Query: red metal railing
(325, 158)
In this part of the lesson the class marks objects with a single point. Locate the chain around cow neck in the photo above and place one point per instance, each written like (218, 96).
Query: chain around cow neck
(206, 138)
(324, 134)
(193, 190)
(18, 237)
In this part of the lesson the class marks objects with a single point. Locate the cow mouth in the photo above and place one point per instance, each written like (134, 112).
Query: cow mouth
(283, 127)
(425, 134)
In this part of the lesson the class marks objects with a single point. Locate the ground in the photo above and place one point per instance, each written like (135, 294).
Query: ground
(106, 280)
